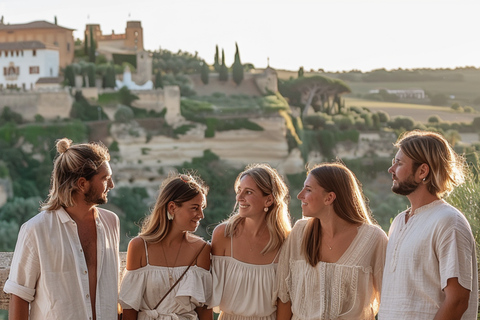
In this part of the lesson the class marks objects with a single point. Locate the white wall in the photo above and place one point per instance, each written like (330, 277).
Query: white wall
(48, 61)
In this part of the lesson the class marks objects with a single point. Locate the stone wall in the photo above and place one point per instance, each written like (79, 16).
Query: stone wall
(49, 104)
(141, 159)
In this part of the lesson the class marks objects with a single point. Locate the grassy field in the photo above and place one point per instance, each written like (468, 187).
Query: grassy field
(463, 91)
(418, 112)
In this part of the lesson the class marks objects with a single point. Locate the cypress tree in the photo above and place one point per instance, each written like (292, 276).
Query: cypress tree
(300, 72)
(158, 80)
(109, 77)
(70, 76)
(223, 74)
(91, 74)
(237, 67)
(91, 51)
(204, 73)
(216, 62)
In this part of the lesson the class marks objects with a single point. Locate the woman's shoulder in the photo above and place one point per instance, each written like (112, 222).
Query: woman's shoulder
(136, 255)
(299, 226)
(375, 230)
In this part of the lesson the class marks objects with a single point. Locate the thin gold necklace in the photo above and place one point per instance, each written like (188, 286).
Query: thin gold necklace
(170, 275)
(261, 234)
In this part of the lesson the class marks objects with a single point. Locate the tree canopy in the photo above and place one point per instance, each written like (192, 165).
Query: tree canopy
(320, 92)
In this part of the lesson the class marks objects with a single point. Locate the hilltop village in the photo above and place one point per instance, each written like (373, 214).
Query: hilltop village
(160, 111)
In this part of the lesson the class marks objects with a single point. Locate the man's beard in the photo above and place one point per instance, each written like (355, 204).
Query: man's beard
(93, 196)
(406, 187)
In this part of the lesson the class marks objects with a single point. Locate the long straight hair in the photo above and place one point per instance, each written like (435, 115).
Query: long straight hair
(349, 204)
(269, 182)
(178, 188)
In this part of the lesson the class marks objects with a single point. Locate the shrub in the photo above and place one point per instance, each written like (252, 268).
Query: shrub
(124, 114)
(434, 119)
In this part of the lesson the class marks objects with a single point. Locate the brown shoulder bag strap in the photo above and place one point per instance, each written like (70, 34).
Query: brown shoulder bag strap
(178, 280)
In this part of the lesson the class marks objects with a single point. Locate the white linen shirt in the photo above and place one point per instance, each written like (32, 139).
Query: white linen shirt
(436, 244)
(50, 272)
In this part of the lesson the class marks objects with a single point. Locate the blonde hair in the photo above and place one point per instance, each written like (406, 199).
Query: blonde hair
(447, 168)
(277, 217)
(178, 188)
(349, 204)
(72, 163)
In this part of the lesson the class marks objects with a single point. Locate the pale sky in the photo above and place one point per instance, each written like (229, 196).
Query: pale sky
(333, 35)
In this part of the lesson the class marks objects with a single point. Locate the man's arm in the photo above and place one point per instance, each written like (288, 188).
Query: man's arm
(455, 303)
(18, 308)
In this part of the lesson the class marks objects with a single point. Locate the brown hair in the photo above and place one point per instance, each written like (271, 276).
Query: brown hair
(72, 163)
(278, 218)
(178, 188)
(447, 168)
(349, 204)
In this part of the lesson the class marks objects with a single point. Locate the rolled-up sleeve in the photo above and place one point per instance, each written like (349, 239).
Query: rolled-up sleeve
(25, 267)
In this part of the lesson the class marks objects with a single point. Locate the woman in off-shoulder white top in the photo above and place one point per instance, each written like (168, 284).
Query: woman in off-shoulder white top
(331, 265)
(245, 247)
(161, 253)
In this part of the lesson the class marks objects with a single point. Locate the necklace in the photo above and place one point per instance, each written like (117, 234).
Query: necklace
(259, 235)
(170, 275)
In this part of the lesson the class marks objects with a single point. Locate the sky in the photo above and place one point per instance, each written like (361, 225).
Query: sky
(333, 35)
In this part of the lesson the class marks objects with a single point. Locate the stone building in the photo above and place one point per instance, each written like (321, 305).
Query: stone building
(49, 34)
(23, 63)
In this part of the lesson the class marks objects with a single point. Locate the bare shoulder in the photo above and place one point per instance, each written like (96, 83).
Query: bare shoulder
(219, 241)
(136, 256)
(203, 259)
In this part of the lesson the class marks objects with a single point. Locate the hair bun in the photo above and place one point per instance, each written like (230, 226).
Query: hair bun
(63, 145)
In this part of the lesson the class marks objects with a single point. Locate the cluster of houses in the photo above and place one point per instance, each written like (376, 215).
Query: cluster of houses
(33, 54)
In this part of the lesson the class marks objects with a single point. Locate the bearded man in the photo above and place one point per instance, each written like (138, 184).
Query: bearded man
(431, 266)
(65, 264)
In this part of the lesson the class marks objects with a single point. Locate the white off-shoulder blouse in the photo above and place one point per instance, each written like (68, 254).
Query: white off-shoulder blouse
(142, 289)
(347, 289)
(241, 290)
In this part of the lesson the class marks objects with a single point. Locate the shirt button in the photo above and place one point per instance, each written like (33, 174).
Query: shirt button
(87, 296)
(81, 250)
(85, 272)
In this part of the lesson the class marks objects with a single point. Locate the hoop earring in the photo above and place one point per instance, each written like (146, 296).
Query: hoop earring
(169, 216)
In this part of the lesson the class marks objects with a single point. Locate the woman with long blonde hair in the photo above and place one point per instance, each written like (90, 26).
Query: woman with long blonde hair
(166, 261)
(331, 265)
(245, 247)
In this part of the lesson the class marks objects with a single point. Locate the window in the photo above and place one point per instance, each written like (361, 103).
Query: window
(34, 53)
(6, 53)
(68, 46)
(35, 70)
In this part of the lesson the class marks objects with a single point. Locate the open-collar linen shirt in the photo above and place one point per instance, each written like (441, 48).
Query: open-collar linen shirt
(436, 244)
(50, 272)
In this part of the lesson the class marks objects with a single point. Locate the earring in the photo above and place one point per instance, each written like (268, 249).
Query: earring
(265, 209)
(169, 216)
(423, 179)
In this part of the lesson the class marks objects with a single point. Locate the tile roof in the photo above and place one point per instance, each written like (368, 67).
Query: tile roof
(22, 45)
(32, 25)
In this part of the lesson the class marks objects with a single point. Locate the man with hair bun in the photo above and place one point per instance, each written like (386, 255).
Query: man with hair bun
(431, 266)
(65, 264)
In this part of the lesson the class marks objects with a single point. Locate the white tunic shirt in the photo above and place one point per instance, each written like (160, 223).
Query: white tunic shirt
(49, 268)
(347, 289)
(436, 244)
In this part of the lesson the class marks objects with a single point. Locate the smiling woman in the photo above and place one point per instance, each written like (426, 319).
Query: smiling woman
(331, 265)
(167, 273)
(245, 247)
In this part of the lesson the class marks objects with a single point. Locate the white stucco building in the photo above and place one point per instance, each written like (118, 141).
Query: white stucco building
(23, 63)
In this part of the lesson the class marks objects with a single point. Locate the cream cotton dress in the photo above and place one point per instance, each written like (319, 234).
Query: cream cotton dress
(143, 288)
(241, 290)
(347, 289)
